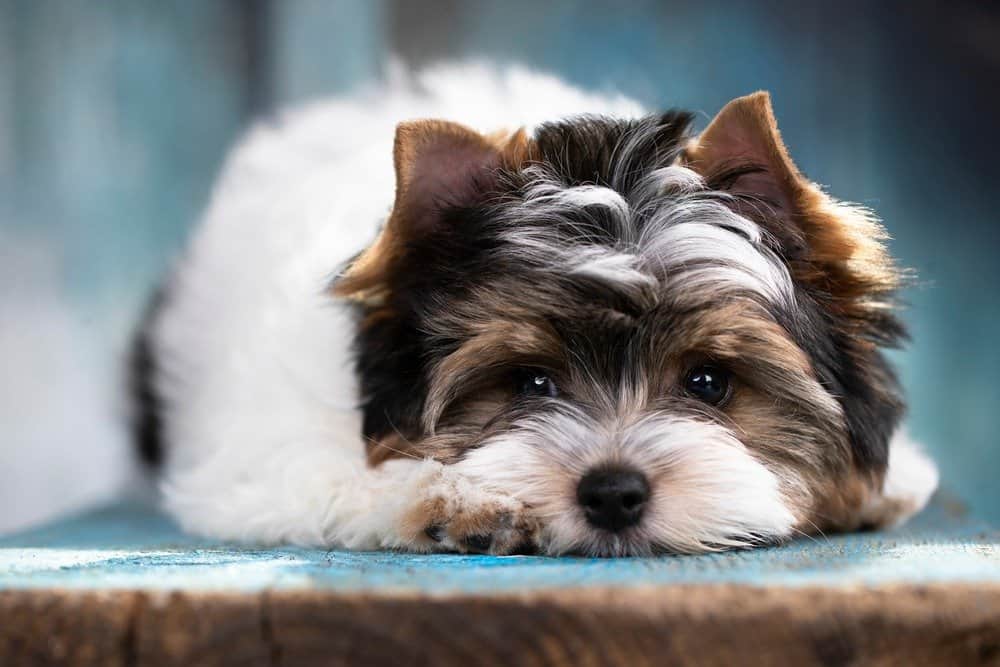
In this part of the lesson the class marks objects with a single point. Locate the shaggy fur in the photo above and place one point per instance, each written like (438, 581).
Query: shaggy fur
(533, 309)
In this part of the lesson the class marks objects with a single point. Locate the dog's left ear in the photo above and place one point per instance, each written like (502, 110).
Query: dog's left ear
(831, 245)
(439, 164)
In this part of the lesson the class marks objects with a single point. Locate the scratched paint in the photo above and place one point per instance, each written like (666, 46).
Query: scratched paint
(131, 547)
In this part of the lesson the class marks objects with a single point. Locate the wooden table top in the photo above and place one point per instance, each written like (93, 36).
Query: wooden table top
(121, 585)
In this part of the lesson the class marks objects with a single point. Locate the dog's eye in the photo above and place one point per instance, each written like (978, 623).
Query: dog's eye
(534, 382)
(709, 384)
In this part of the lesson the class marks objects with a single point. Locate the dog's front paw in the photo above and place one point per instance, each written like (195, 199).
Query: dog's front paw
(454, 515)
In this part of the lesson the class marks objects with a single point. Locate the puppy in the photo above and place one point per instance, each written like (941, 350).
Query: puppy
(591, 331)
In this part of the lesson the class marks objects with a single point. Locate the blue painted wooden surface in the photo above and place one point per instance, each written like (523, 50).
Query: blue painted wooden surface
(128, 547)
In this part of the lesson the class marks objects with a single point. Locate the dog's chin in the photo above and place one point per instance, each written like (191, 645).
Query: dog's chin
(635, 543)
(604, 544)
(639, 542)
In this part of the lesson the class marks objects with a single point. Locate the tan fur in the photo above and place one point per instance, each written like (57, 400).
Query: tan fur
(845, 256)
(781, 413)
(392, 446)
(419, 149)
(466, 519)
(838, 501)
(415, 148)
(498, 345)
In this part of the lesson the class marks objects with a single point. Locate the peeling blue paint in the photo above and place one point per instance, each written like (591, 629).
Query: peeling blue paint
(126, 546)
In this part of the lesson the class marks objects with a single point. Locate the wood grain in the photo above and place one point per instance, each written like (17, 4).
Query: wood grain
(702, 625)
(60, 628)
(181, 630)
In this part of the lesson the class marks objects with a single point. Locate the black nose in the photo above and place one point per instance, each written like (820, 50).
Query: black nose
(613, 498)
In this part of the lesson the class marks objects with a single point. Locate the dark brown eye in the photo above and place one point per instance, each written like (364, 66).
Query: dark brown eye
(708, 383)
(534, 382)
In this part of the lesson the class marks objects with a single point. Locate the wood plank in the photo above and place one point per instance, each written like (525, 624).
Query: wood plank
(67, 628)
(122, 585)
(702, 625)
(699, 625)
(182, 630)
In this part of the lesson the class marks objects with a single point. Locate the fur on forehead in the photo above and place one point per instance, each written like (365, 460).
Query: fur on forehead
(584, 163)
(617, 218)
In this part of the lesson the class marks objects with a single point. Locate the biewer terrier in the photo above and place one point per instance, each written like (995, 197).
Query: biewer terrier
(593, 332)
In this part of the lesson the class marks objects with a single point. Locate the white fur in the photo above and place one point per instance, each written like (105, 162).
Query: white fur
(696, 244)
(707, 492)
(593, 195)
(263, 436)
(910, 480)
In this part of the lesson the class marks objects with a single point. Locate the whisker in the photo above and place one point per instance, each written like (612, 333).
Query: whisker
(401, 452)
(379, 443)
(826, 540)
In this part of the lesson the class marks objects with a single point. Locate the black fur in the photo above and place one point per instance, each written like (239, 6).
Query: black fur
(857, 374)
(146, 421)
(612, 152)
(457, 254)
(390, 365)
(393, 356)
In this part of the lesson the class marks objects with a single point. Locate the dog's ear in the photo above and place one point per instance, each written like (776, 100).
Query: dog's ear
(741, 151)
(833, 246)
(439, 164)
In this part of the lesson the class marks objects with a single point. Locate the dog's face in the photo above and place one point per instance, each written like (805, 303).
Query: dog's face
(657, 342)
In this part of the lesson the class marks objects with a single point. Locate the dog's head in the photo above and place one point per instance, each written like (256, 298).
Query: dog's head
(658, 341)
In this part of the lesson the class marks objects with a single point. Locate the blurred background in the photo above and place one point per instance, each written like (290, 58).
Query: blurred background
(116, 115)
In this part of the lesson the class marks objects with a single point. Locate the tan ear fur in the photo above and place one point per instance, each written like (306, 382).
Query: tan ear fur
(743, 132)
(842, 249)
(435, 160)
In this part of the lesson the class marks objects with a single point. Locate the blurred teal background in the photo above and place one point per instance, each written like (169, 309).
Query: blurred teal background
(115, 116)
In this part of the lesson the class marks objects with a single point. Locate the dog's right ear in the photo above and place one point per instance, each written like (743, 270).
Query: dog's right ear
(439, 164)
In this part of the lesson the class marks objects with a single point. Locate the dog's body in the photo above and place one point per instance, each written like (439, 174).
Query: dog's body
(613, 309)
